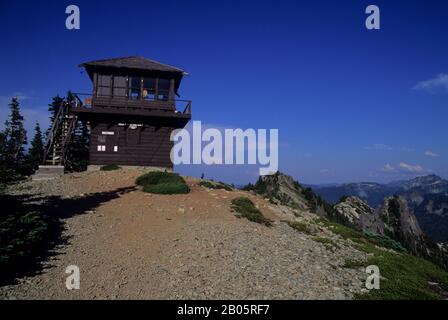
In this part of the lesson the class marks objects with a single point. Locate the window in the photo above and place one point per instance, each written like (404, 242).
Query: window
(120, 86)
(101, 148)
(164, 89)
(134, 87)
(103, 85)
(115, 148)
(149, 89)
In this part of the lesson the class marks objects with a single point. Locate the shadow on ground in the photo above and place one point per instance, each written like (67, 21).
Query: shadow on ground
(49, 211)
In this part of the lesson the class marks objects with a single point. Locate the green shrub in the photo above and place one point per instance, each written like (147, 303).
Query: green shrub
(110, 167)
(385, 242)
(246, 209)
(162, 183)
(343, 231)
(301, 227)
(328, 243)
(167, 188)
(215, 185)
(21, 234)
(156, 177)
(354, 264)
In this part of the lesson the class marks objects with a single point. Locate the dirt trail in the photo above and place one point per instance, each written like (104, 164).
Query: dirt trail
(133, 245)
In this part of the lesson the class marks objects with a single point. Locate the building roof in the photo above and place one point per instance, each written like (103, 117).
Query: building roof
(133, 62)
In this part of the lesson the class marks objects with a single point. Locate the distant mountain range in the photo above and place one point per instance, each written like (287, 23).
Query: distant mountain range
(392, 222)
(427, 197)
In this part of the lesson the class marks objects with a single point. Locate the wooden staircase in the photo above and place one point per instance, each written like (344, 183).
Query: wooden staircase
(56, 146)
(59, 136)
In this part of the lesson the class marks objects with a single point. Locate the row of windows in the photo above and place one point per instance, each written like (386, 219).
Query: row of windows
(133, 87)
(102, 148)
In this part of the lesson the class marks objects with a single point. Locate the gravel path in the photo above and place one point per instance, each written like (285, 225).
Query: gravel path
(132, 245)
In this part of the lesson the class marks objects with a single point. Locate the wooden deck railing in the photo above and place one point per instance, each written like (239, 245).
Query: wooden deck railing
(86, 101)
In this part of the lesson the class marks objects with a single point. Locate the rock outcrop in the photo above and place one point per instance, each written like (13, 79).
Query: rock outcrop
(392, 219)
(395, 220)
(427, 197)
(399, 221)
(355, 211)
(283, 189)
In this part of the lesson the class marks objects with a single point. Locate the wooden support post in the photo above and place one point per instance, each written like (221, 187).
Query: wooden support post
(171, 95)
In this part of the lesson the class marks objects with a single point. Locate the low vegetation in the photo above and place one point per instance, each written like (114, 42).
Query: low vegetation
(246, 209)
(328, 243)
(159, 182)
(215, 185)
(110, 167)
(24, 235)
(354, 264)
(386, 242)
(20, 236)
(403, 276)
(302, 227)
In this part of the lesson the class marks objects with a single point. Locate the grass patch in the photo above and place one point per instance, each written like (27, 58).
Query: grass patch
(404, 276)
(110, 167)
(354, 264)
(343, 231)
(167, 188)
(364, 240)
(301, 227)
(385, 242)
(159, 182)
(215, 185)
(246, 209)
(328, 243)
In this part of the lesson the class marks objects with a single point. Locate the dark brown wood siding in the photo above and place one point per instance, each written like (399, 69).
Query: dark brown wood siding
(144, 146)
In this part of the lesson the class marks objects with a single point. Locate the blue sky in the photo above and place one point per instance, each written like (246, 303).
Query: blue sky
(350, 104)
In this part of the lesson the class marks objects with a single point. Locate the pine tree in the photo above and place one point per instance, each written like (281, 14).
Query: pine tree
(35, 153)
(12, 158)
(4, 171)
(78, 150)
(53, 108)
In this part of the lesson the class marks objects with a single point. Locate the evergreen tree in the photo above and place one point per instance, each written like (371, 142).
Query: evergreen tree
(35, 153)
(12, 158)
(70, 97)
(53, 108)
(4, 171)
(78, 150)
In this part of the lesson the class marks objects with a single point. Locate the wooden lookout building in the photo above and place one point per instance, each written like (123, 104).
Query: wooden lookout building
(132, 110)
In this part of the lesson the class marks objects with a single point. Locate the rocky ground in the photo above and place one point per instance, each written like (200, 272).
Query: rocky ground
(133, 245)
